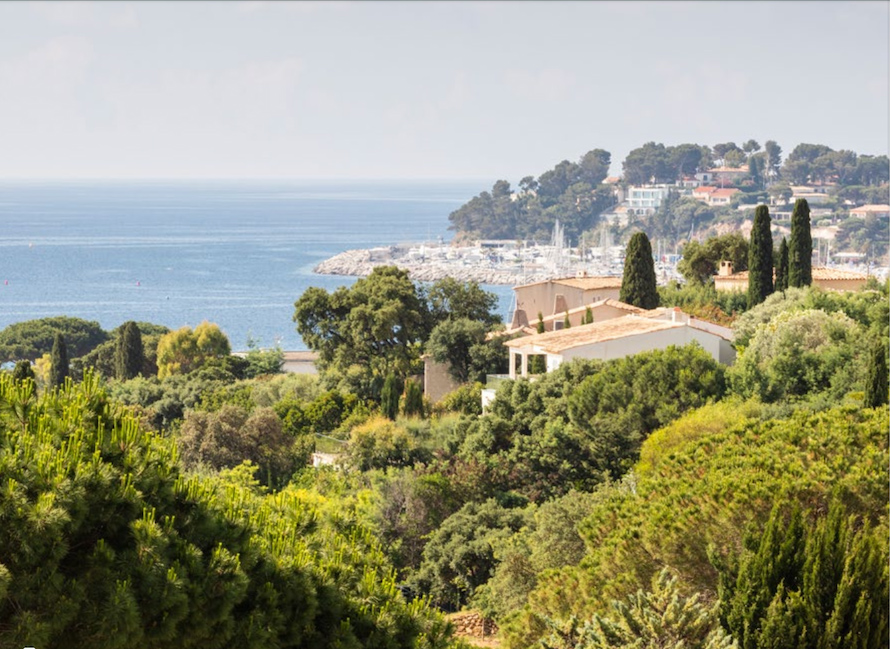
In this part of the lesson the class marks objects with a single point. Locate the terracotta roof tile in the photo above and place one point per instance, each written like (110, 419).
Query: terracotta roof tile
(554, 342)
(584, 283)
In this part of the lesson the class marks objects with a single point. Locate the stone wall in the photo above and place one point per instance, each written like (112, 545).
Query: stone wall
(471, 624)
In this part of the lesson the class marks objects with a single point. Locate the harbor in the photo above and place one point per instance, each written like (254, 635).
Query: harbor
(495, 262)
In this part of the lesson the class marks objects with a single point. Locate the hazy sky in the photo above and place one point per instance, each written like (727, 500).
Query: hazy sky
(424, 89)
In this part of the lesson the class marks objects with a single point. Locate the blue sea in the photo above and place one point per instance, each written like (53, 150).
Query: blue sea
(177, 253)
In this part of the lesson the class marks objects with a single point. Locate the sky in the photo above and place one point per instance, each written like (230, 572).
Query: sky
(452, 90)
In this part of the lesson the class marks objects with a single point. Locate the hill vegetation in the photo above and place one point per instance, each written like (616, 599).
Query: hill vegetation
(575, 193)
(658, 497)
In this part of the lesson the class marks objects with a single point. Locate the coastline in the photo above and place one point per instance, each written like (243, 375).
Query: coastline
(361, 262)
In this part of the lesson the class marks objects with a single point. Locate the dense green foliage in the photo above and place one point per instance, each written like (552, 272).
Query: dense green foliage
(760, 258)
(32, 339)
(876, 384)
(451, 299)
(806, 583)
(704, 301)
(869, 308)
(701, 261)
(463, 346)
(570, 193)
(459, 556)
(379, 325)
(762, 486)
(231, 435)
(661, 617)
(801, 353)
(101, 359)
(638, 285)
(187, 349)
(105, 543)
(800, 247)
(702, 490)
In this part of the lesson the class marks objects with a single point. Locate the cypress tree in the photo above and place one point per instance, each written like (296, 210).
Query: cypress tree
(760, 258)
(566, 323)
(536, 363)
(782, 267)
(128, 354)
(58, 362)
(876, 385)
(800, 248)
(638, 283)
(588, 316)
(389, 397)
(413, 399)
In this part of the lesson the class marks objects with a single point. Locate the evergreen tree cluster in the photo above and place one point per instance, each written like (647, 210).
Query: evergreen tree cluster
(104, 542)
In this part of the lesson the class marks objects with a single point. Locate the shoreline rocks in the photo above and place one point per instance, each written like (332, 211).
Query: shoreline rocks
(360, 263)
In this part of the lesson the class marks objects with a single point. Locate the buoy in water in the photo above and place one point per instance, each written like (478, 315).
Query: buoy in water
(138, 283)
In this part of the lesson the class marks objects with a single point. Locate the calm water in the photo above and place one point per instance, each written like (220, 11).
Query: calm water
(235, 253)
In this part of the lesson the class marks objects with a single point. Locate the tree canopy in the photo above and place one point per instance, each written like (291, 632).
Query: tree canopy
(31, 339)
(187, 349)
(701, 261)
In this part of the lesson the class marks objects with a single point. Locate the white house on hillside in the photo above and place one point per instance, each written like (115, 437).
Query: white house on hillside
(620, 337)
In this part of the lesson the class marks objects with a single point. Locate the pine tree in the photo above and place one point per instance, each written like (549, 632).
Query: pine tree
(782, 267)
(128, 354)
(59, 362)
(588, 316)
(638, 283)
(760, 258)
(876, 386)
(800, 248)
(389, 397)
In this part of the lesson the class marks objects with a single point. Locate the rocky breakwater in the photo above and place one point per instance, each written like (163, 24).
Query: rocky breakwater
(360, 263)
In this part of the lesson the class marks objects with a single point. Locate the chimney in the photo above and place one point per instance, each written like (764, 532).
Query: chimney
(725, 269)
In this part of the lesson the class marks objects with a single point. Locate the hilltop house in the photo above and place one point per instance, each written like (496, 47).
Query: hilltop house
(863, 211)
(646, 199)
(714, 196)
(556, 296)
(724, 174)
(620, 337)
(832, 279)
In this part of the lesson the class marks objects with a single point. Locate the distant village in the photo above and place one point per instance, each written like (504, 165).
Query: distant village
(512, 262)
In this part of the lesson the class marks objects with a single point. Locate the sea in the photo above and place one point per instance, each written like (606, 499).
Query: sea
(236, 253)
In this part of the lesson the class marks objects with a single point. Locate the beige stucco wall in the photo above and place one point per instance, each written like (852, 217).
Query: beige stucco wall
(542, 297)
(841, 284)
(436, 380)
(719, 349)
(725, 284)
(601, 313)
